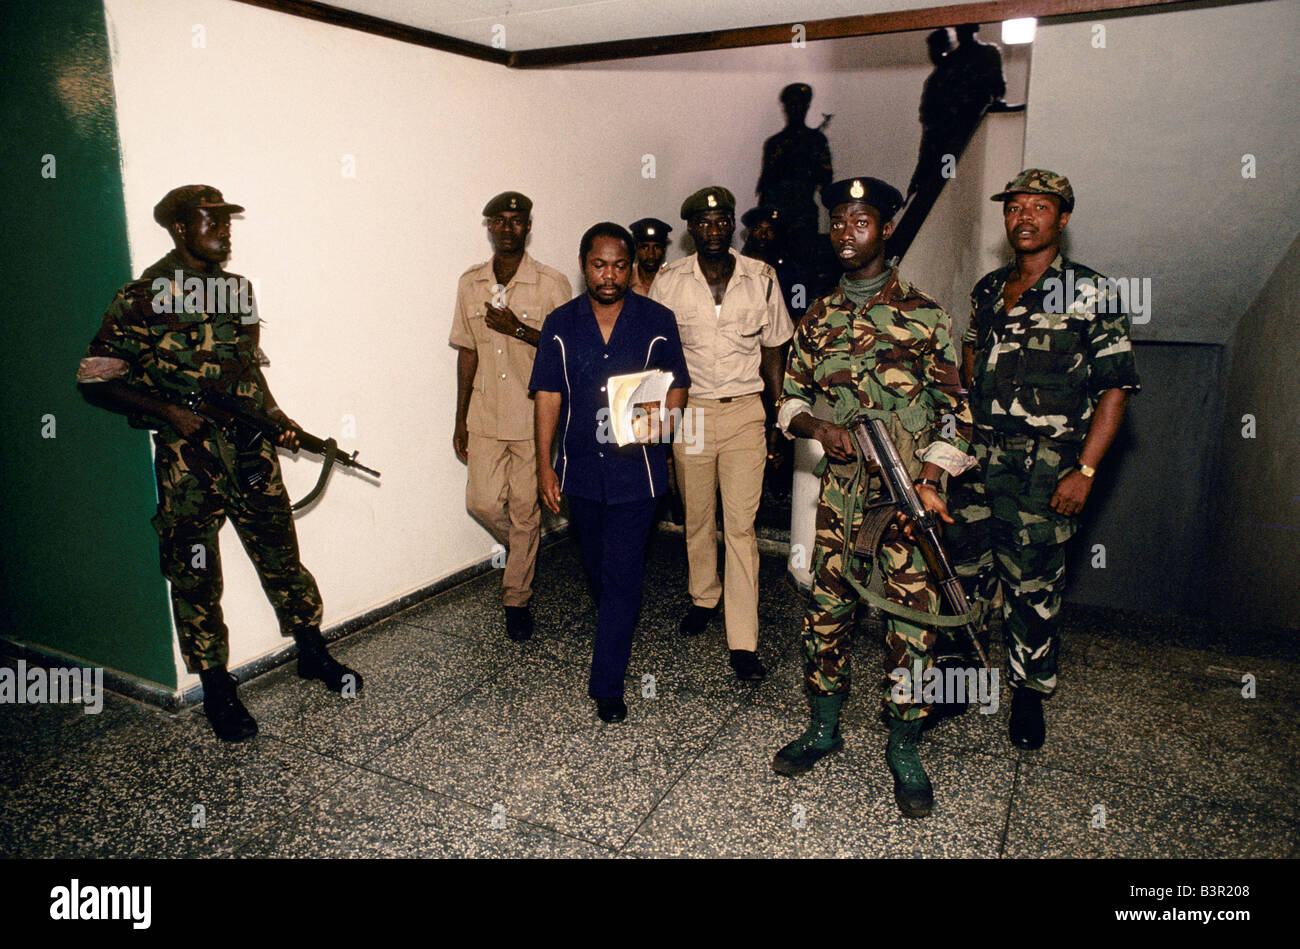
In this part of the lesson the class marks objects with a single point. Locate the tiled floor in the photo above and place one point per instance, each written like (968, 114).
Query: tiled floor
(463, 743)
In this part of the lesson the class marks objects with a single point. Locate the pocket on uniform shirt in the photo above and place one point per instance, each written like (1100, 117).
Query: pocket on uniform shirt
(745, 328)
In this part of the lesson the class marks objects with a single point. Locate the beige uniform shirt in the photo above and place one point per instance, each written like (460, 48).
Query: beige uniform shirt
(722, 348)
(499, 406)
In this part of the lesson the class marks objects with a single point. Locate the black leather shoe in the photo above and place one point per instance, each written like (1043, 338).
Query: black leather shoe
(519, 623)
(1027, 729)
(315, 662)
(229, 719)
(747, 666)
(696, 618)
(611, 710)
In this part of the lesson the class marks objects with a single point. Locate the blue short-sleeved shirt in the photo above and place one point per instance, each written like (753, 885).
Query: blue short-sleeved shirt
(574, 360)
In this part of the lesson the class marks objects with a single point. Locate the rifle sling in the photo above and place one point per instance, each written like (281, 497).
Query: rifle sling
(331, 452)
(877, 518)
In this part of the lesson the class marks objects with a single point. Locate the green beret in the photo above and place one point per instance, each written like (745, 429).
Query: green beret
(764, 212)
(712, 198)
(881, 195)
(508, 201)
(180, 201)
(650, 230)
(1039, 181)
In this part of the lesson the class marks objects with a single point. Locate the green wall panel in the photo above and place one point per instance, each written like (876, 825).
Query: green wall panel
(80, 560)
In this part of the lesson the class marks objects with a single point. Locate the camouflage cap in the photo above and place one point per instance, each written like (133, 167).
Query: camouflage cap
(508, 201)
(712, 198)
(797, 90)
(1039, 181)
(764, 212)
(180, 201)
(650, 230)
(881, 195)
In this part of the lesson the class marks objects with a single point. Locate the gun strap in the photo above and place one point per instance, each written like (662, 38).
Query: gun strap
(875, 521)
(331, 452)
(912, 616)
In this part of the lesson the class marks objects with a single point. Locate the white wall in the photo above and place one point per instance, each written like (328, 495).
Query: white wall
(356, 276)
(1151, 131)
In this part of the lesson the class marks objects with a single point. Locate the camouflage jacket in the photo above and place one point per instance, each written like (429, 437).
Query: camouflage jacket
(1040, 368)
(894, 355)
(177, 338)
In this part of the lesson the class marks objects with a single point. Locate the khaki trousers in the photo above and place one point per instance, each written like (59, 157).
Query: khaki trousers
(728, 454)
(502, 496)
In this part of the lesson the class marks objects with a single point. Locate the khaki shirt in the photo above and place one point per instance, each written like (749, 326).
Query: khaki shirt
(499, 406)
(723, 349)
(638, 283)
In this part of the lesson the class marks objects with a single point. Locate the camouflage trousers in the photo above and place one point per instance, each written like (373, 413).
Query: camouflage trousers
(828, 622)
(197, 490)
(1007, 533)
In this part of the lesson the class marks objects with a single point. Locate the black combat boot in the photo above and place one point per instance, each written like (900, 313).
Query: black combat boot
(912, 788)
(315, 662)
(820, 739)
(1027, 729)
(229, 719)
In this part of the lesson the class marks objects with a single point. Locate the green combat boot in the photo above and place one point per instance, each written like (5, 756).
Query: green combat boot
(821, 738)
(912, 788)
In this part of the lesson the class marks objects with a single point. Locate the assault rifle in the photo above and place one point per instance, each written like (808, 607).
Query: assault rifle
(245, 427)
(874, 444)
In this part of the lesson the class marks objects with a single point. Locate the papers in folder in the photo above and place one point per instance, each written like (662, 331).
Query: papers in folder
(646, 390)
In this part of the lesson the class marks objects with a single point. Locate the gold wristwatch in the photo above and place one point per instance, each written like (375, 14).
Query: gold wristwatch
(1086, 470)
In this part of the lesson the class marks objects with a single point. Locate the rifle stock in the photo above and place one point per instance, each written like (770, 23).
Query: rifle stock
(874, 444)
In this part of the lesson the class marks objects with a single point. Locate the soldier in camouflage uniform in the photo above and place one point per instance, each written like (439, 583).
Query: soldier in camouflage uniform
(187, 326)
(874, 346)
(1050, 367)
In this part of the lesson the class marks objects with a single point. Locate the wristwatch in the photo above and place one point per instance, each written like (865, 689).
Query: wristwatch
(519, 331)
(1087, 470)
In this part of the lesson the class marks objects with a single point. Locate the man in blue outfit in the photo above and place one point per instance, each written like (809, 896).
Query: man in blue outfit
(612, 491)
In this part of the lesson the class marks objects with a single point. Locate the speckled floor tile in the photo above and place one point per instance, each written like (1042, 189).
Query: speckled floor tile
(32, 736)
(731, 803)
(139, 790)
(1210, 746)
(532, 744)
(409, 674)
(1054, 812)
(370, 815)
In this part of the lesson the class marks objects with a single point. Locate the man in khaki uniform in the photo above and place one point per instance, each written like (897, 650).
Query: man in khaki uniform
(651, 236)
(500, 306)
(734, 326)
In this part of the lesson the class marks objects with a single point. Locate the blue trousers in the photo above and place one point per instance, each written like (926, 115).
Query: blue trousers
(613, 538)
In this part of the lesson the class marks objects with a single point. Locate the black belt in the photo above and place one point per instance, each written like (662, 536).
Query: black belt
(733, 398)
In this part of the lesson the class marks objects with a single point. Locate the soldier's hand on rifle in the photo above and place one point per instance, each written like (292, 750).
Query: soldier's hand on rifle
(1071, 493)
(837, 441)
(289, 437)
(184, 421)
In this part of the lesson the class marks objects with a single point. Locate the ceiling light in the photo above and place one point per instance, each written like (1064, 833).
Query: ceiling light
(1018, 31)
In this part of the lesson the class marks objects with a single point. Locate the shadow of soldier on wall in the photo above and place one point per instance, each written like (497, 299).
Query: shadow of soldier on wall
(966, 83)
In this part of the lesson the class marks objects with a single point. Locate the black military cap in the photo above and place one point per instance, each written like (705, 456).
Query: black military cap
(180, 201)
(651, 230)
(880, 195)
(797, 90)
(712, 198)
(764, 212)
(508, 201)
